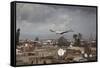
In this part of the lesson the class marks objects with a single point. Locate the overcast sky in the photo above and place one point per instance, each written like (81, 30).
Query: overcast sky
(36, 20)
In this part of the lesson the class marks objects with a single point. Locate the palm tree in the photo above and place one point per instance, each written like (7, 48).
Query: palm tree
(75, 39)
(79, 39)
(80, 36)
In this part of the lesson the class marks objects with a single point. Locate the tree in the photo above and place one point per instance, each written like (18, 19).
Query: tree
(62, 41)
(17, 35)
(77, 38)
(37, 39)
(80, 36)
(36, 42)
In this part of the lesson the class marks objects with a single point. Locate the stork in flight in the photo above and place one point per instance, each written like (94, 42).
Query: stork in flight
(61, 32)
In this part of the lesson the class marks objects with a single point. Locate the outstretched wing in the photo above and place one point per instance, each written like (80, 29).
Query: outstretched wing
(67, 31)
(52, 30)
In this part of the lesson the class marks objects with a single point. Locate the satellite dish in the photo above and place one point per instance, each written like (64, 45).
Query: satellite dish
(71, 45)
(85, 55)
(61, 52)
(90, 55)
(26, 45)
(82, 51)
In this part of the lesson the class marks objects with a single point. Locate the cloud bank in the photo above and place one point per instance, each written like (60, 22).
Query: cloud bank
(36, 20)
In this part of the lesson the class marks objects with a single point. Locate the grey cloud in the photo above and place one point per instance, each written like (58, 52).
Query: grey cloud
(35, 13)
(36, 19)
